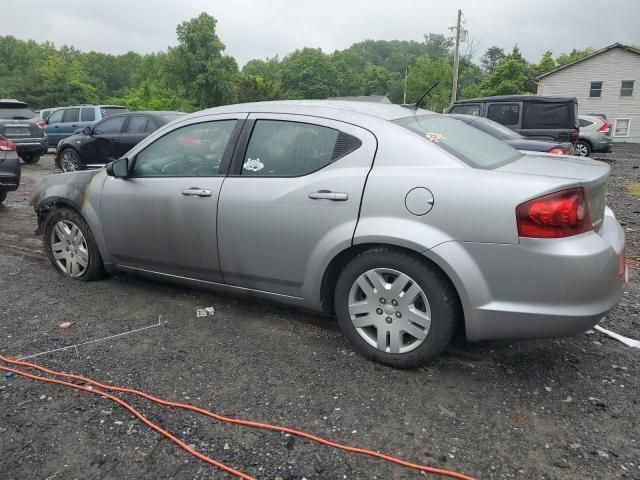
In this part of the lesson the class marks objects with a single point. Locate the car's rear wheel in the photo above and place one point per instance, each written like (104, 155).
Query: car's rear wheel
(3, 195)
(69, 160)
(583, 149)
(394, 308)
(31, 159)
(71, 247)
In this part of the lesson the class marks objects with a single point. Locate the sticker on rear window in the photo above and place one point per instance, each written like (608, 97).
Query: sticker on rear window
(254, 165)
(434, 137)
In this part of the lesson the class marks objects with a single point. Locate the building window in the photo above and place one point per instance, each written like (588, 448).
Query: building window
(596, 89)
(626, 90)
(621, 128)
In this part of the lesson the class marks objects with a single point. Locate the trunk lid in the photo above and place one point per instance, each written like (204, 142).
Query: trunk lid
(592, 175)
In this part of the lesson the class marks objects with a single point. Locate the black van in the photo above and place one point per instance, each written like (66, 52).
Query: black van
(544, 118)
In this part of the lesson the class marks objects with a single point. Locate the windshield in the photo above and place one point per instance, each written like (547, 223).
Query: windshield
(496, 129)
(467, 143)
(15, 112)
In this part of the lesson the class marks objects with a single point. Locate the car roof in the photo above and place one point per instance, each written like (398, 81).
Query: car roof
(518, 98)
(12, 101)
(337, 108)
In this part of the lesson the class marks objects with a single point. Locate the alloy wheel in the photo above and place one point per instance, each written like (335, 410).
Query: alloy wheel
(69, 248)
(389, 310)
(69, 161)
(581, 150)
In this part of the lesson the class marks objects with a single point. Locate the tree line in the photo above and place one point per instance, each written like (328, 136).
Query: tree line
(197, 73)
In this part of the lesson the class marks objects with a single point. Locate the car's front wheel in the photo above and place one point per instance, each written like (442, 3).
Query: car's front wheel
(30, 159)
(582, 149)
(71, 247)
(394, 308)
(69, 160)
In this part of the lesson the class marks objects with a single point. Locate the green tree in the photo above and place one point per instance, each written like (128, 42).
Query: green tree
(491, 57)
(198, 67)
(349, 69)
(308, 73)
(437, 45)
(508, 78)
(151, 96)
(255, 88)
(547, 63)
(572, 56)
(423, 75)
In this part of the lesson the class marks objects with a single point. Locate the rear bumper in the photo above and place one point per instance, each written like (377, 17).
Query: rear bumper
(10, 173)
(35, 146)
(602, 144)
(539, 287)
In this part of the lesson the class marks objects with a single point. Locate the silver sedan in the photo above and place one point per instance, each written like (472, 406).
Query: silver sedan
(405, 224)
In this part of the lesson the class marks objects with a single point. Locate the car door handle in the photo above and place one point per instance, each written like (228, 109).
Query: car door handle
(329, 195)
(197, 192)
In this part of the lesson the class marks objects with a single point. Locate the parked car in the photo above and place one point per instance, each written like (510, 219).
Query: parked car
(542, 118)
(9, 168)
(23, 127)
(514, 139)
(65, 121)
(108, 139)
(595, 135)
(283, 200)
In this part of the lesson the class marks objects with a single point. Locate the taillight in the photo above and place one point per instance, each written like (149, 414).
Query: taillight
(573, 136)
(41, 124)
(560, 151)
(560, 214)
(606, 126)
(7, 146)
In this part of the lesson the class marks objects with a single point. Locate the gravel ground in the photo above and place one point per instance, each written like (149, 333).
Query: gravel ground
(545, 409)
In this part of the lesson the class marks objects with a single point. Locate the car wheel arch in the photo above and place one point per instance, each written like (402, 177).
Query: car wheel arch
(339, 261)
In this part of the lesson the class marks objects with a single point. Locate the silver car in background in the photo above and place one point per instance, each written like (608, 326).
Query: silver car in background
(595, 136)
(405, 224)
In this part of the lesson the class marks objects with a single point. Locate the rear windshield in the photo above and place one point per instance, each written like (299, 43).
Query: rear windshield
(549, 115)
(472, 146)
(15, 112)
(108, 111)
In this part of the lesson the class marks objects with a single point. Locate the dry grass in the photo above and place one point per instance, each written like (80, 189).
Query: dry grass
(634, 189)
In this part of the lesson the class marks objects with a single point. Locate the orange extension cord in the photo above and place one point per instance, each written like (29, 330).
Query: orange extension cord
(221, 418)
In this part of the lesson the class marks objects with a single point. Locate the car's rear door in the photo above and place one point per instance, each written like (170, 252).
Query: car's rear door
(70, 122)
(163, 217)
(291, 199)
(137, 128)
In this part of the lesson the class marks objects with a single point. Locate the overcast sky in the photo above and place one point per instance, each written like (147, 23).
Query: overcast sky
(260, 29)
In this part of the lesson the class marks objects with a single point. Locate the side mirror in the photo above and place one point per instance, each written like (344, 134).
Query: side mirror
(87, 131)
(118, 168)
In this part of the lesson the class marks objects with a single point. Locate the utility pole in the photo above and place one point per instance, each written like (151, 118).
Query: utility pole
(456, 60)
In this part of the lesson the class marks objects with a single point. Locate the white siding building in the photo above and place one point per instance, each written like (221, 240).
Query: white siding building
(607, 81)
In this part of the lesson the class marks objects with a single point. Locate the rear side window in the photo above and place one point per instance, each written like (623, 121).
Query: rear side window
(291, 149)
(70, 115)
(137, 124)
(472, 146)
(585, 123)
(504, 113)
(472, 109)
(110, 126)
(87, 114)
(15, 112)
(548, 115)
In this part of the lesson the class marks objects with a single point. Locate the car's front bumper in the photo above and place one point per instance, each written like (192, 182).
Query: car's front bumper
(539, 287)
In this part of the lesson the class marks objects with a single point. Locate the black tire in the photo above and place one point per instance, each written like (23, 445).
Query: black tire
(95, 269)
(442, 298)
(69, 157)
(583, 149)
(31, 159)
(3, 195)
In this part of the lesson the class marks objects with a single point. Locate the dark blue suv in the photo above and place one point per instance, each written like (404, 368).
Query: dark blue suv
(64, 122)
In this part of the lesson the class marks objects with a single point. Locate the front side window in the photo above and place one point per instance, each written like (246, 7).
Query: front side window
(56, 117)
(472, 109)
(595, 91)
(621, 128)
(70, 115)
(504, 113)
(193, 151)
(472, 146)
(137, 124)
(290, 149)
(110, 126)
(87, 114)
(626, 89)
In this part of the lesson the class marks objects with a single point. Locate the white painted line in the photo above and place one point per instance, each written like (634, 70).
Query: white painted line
(627, 341)
(96, 340)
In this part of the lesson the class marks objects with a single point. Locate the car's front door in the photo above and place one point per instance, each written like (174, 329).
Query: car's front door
(102, 147)
(162, 218)
(292, 196)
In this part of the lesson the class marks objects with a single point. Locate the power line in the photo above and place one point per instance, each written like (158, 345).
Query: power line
(504, 44)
